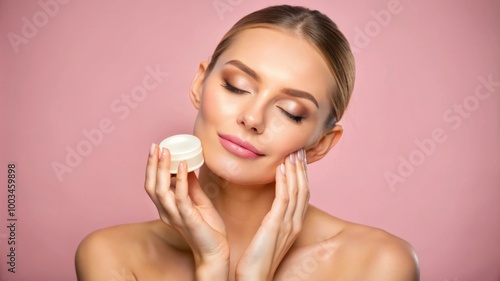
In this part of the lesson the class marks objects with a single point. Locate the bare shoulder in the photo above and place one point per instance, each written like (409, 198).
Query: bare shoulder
(383, 256)
(125, 252)
(102, 254)
(351, 251)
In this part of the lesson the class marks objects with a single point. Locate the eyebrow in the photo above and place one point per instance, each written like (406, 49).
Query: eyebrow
(245, 68)
(291, 92)
(300, 94)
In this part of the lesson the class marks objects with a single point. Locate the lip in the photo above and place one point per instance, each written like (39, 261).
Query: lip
(239, 147)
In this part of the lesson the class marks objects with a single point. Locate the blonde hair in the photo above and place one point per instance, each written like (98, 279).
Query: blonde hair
(319, 30)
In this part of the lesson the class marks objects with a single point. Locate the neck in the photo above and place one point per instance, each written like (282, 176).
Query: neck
(242, 207)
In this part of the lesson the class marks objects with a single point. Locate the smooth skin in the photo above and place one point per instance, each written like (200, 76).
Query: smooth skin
(241, 218)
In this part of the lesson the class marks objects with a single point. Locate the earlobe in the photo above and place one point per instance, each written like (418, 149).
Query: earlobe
(325, 143)
(197, 85)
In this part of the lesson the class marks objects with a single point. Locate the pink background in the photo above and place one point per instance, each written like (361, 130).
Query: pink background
(414, 71)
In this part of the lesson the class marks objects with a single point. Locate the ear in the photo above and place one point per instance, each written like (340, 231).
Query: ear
(324, 144)
(197, 84)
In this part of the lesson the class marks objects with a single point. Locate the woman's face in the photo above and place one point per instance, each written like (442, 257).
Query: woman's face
(266, 97)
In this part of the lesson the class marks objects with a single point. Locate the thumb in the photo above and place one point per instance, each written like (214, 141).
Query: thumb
(195, 191)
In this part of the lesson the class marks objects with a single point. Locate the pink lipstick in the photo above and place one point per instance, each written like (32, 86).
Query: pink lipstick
(239, 147)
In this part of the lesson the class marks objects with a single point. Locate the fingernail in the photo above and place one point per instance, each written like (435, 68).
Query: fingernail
(163, 153)
(300, 154)
(292, 158)
(181, 166)
(282, 168)
(152, 149)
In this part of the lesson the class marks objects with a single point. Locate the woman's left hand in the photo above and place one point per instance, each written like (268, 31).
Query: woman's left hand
(281, 226)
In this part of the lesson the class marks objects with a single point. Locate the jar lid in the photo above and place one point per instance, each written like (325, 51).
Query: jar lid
(184, 147)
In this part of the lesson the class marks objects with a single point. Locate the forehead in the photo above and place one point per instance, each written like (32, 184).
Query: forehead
(282, 58)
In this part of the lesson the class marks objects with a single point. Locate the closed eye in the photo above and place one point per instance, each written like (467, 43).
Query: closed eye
(295, 118)
(232, 88)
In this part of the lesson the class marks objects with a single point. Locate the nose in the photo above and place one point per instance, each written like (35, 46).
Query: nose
(252, 117)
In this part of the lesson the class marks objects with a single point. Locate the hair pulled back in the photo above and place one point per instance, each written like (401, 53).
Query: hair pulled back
(320, 31)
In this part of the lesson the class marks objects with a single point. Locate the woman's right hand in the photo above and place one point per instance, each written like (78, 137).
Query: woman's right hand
(184, 206)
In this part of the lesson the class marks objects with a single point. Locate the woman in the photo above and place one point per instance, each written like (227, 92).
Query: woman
(268, 104)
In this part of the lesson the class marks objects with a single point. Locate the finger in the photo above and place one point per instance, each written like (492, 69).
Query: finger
(287, 231)
(162, 188)
(151, 166)
(181, 186)
(280, 203)
(291, 183)
(196, 193)
(184, 203)
(282, 195)
(163, 173)
(150, 181)
(303, 191)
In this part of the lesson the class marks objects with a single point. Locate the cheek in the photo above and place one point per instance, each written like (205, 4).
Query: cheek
(216, 104)
(209, 113)
(283, 136)
(210, 105)
(277, 125)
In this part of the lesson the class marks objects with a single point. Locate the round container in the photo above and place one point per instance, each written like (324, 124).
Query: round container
(183, 147)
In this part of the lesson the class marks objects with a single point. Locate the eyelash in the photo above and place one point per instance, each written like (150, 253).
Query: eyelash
(231, 88)
(294, 118)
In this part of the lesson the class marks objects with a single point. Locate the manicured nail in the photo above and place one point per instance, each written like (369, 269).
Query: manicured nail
(300, 154)
(282, 168)
(152, 149)
(163, 153)
(292, 158)
(181, 165)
